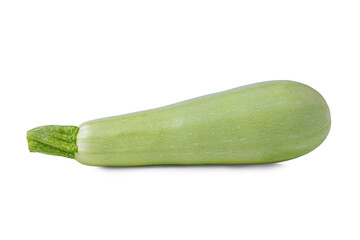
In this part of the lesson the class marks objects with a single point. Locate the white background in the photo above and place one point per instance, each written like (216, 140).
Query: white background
(67, 62)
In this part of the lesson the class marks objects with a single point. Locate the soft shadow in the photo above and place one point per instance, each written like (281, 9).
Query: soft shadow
(265, 166)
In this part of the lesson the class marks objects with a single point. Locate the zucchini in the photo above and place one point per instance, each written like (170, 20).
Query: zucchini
(266, 122)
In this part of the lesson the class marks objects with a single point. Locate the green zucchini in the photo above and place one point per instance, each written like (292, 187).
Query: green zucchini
(266, 122)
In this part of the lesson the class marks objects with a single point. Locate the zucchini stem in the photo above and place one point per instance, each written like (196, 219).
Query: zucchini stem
(53, 140)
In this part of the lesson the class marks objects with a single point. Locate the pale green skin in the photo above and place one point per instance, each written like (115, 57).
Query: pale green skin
(261, 123)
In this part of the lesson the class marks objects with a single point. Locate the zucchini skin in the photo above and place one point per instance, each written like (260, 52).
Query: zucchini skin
(266, 122)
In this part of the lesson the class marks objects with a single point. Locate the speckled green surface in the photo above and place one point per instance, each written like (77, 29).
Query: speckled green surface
(261, 123)
(53, 140)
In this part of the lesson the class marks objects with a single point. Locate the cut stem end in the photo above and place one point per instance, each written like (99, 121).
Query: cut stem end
(53, 140)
